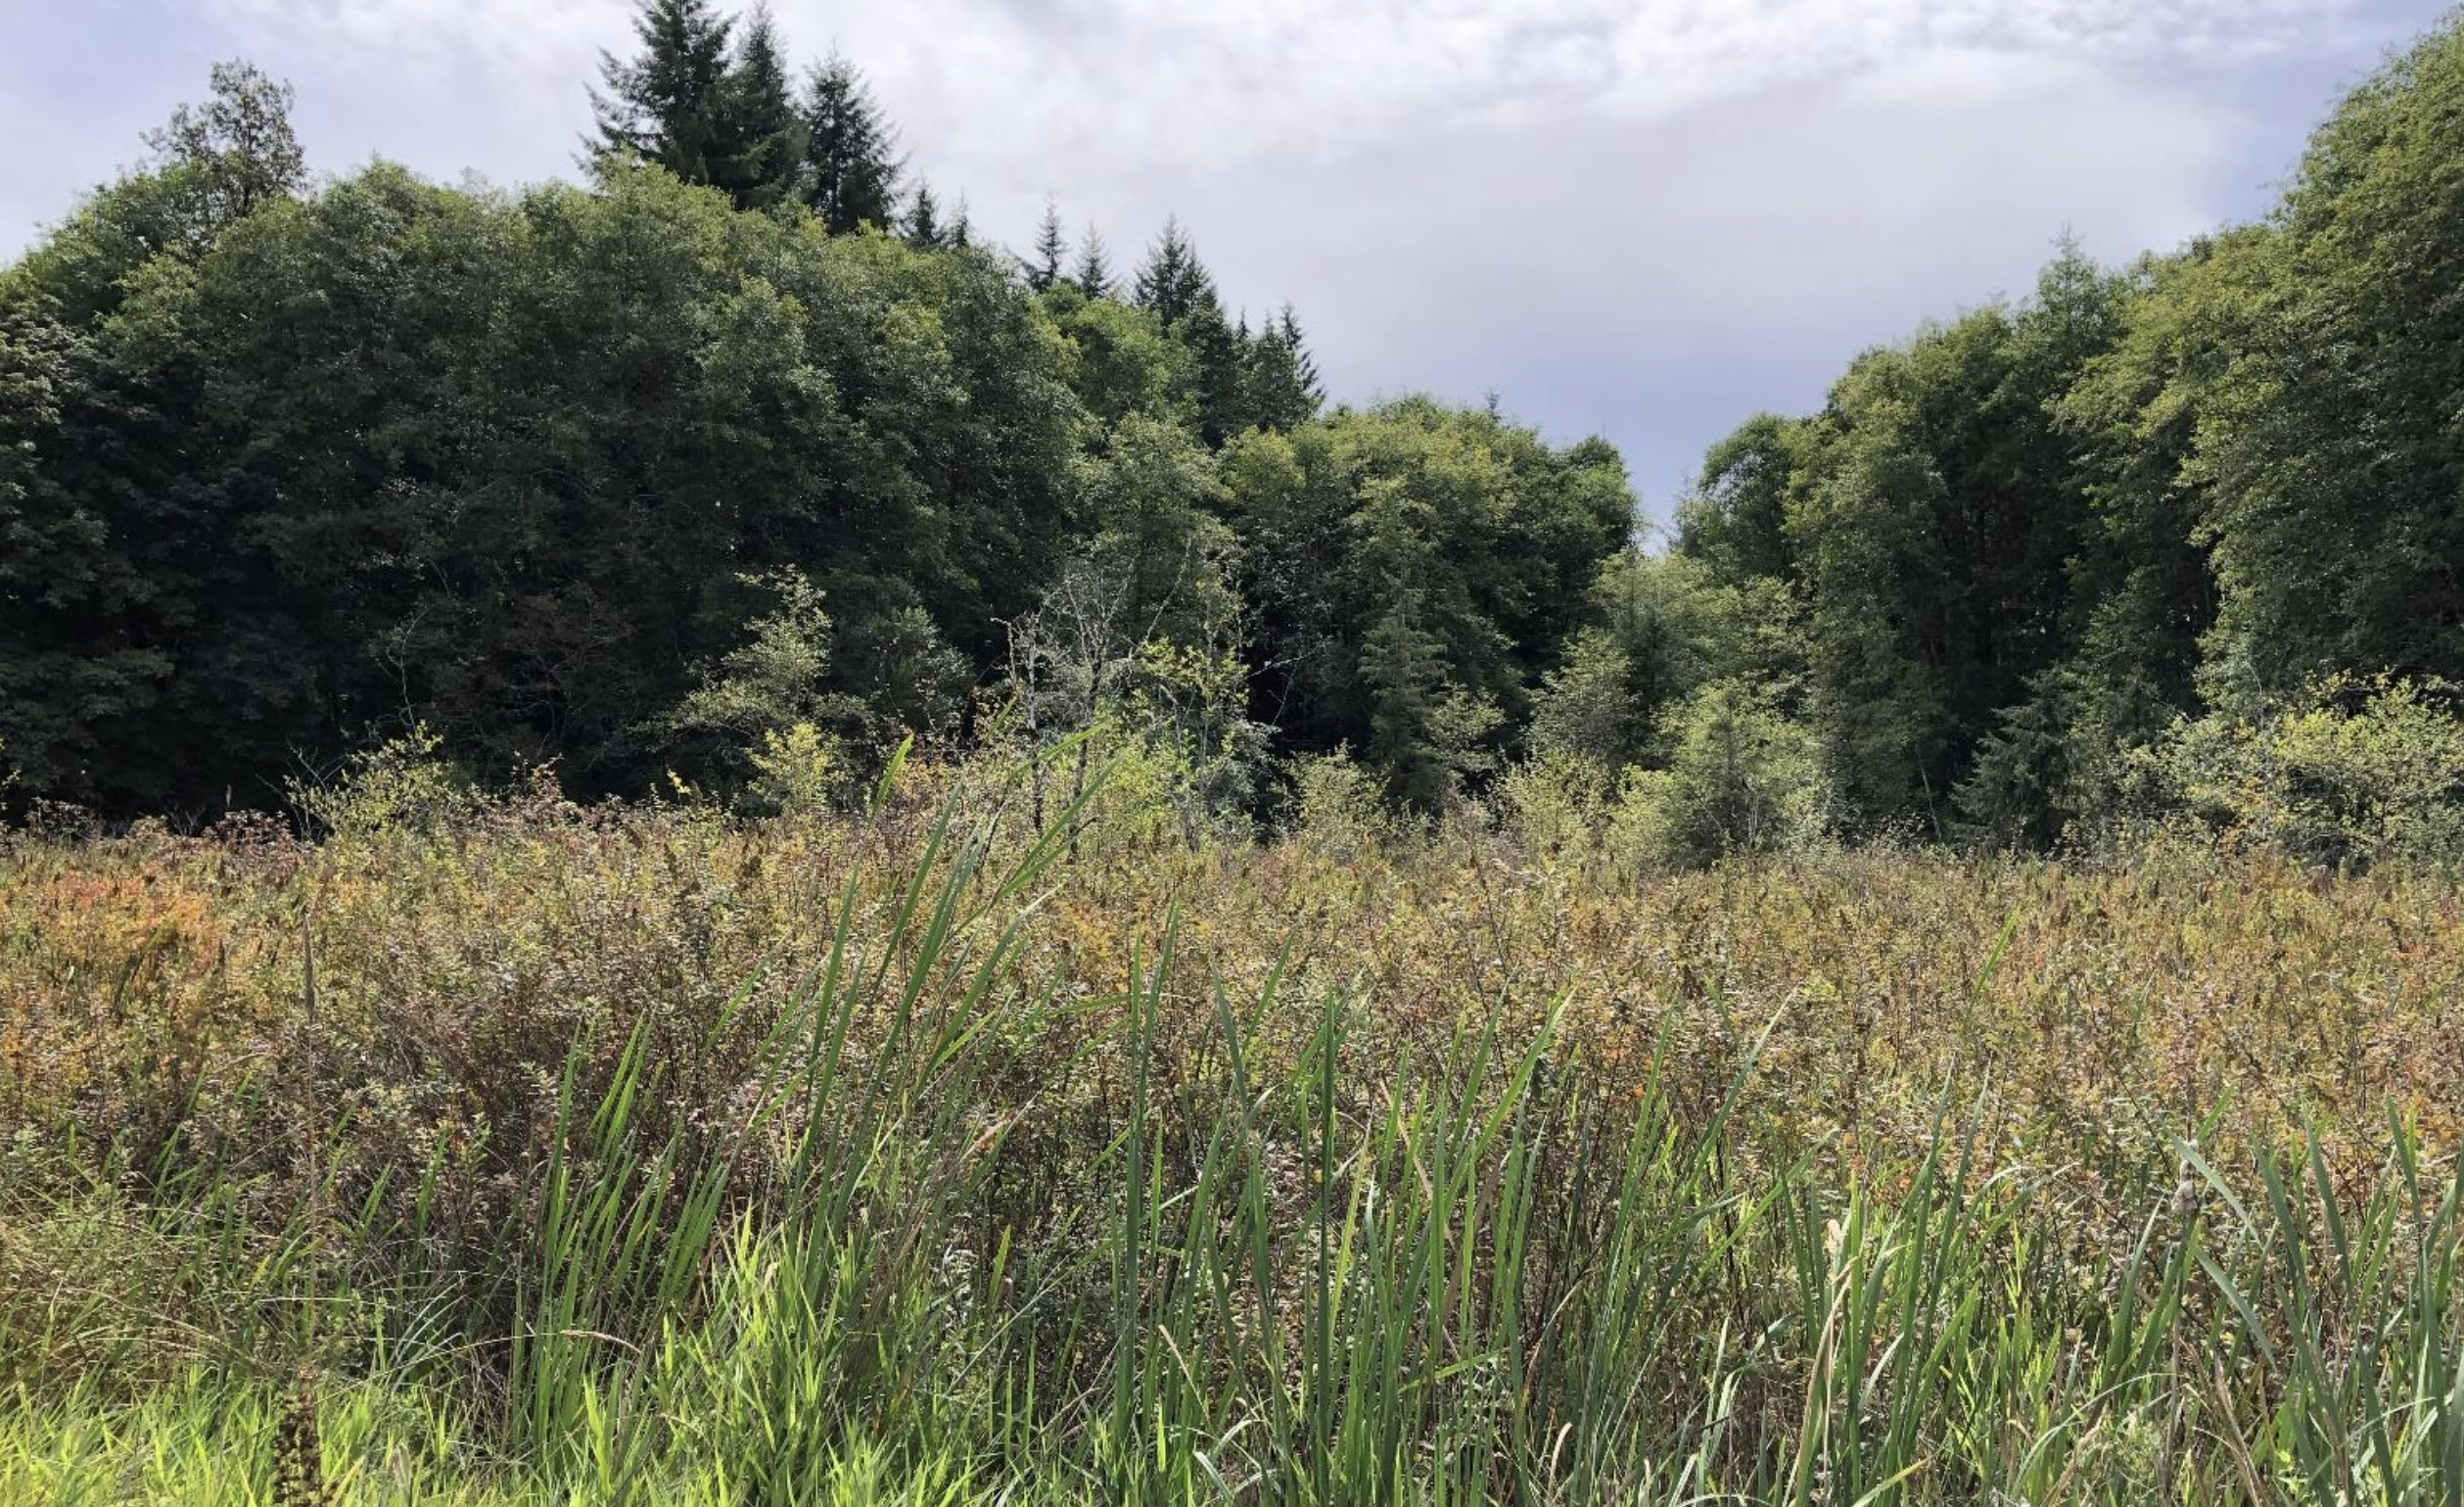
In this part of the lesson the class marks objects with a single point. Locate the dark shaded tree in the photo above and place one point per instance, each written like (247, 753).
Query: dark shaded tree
(668, 103)
(851, 169)
(1093, 272)
(922, 227)
(1051, 248)
(1173, 284)
(759, 150)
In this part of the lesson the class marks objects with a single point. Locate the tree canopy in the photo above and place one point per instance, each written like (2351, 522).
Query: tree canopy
(751, 439)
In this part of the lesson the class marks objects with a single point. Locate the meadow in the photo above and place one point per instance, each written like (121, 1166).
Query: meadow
(971, 1148)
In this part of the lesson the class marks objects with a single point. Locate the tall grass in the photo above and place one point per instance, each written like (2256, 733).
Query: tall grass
(899, 1219)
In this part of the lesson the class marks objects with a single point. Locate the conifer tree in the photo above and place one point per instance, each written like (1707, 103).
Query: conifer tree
(1304, 365)
(1219, 356)
(961, 232)
(1174, 283)
(850, 171)
(1093, 274)
(237, 150)
(666, 104)
(923, 221)
(760, 145)
(1044, 269)
(1279, 381)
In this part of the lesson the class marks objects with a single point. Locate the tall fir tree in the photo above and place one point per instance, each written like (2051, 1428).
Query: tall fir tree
(1093, 272)
(759, 150)
(666, 104)
(924, 228)
(1304, 365)
(1220, 357)
(1280, 380)
(851, 169)
(1174, 283)
(961, 232)
(1043, 269)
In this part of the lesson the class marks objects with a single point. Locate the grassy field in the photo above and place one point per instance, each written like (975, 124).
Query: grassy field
(503, 1151)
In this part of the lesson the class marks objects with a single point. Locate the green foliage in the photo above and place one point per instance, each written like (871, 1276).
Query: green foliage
(668, 103)
(1932, 525)
(403, 786)
(1043, 266)
(1735, 520)
(2328, 443)
(1411, 573)
(764, 699)
(1739, 778)
(233, 155)
(1666, 626)
(283, 470)
(850, 172)
(1092, 275)
(921, 226)
(1120, 361)
(1426, 733)
(2352, 772)
(761, 143)
(551, 1157)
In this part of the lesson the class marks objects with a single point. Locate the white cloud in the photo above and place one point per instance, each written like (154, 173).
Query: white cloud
(1642, 216)
(1213, 82)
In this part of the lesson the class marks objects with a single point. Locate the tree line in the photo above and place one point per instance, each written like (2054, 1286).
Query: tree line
(2188, 532)
(746, 456)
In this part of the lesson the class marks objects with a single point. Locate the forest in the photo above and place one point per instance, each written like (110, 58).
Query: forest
(748, 443)
(689, 837)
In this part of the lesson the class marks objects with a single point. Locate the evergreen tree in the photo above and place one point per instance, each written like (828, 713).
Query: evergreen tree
(1220, 357)
(851, 170)
(1280, 381)
(961, 232)
(668, 104)
(236, 151)
(923, 221)
(760, 146)
(1174, 284)
(1044, 269)
(1426, 733)
(1304, 365)
(1093, 274)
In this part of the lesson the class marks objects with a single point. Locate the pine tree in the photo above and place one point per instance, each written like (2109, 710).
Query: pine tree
(923, 221)
(1093, 274)
(1280, 380)
(851, 174)
(760, 147)
(1426, 734)
(665, 106)
(1220, 356)
(1304, 365)
(961, 232)
(1045, 269)
(1174, 283)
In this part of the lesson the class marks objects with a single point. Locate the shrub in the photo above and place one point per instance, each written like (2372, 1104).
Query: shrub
(1740, 779)
(2356, 771)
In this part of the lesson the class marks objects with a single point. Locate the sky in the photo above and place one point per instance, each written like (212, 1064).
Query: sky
(1646, 219)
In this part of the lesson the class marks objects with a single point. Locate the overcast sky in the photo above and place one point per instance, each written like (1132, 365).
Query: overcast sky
(1640, 219)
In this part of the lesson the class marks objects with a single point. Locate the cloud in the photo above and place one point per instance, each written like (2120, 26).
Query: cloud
(1238, 76)
(1646, 218)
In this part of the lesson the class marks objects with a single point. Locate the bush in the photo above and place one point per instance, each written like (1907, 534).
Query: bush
(1740, 779)
(2357, 771)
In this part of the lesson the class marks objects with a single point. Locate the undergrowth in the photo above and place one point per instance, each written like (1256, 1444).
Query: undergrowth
(497, 1150)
